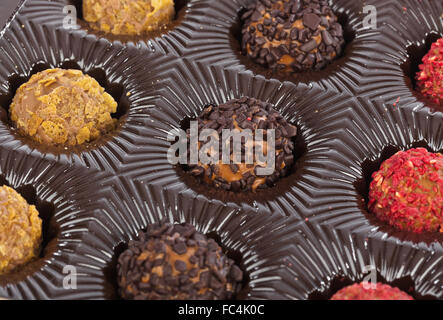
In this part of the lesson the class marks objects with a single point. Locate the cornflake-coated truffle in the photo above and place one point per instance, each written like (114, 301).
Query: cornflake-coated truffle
(407, 191)
(63, 107)
(246, 114)
(291, 35)
(20, 230)
(368, 291)
(175, 262)
(128, 17)
(430, 76)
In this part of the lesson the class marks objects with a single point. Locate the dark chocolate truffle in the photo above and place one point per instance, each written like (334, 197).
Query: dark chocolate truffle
(368, 291)
(128, 17)
(239, 115)
(407, 191)
(291, 35)
(63, 107)
(20, 230)
(175, 262)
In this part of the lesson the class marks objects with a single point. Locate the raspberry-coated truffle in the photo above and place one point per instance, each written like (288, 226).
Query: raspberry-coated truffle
(20, 230)
(175, 262)
(430, 76)
(238, 115)
(368, 291)
(407, 191)
(63, 107)
(291, 35)
(128, 17)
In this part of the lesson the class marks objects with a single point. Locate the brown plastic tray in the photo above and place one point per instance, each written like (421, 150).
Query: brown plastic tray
(306, 237)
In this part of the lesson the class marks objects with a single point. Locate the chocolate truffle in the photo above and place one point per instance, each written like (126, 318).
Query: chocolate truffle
(430, 76)
(291, 35)
(63, 107)
(175, 262)
(407, 191)
(20, 230)
(128, 17)
(237, 116)
(368, 291)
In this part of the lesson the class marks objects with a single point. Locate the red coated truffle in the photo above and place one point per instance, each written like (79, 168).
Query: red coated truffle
(430, 76)
(407, 191)
(368, 291)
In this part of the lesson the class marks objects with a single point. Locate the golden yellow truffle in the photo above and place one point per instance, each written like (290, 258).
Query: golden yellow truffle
(128, 17)
(20, 230)
(63, 107)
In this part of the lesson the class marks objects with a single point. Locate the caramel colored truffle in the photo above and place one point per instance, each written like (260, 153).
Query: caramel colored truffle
(175, 262)
(291, 35)
(63, 107)
(407, 191)
(368, 291)
(20, 230)
(128, 17)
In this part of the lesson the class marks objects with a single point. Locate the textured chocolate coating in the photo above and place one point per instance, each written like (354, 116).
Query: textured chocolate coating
(128, 17)
(20, 230)
(240, 115)
(175, 262)
(63, 107)
(291, 35)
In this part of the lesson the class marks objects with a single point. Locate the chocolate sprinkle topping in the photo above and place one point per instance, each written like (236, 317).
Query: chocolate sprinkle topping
(241, 114)
(291, 35)
(175, 262)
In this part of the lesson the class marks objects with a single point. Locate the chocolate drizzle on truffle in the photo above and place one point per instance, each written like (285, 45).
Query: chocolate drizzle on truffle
(242, 114)
(175, 262)
(291, 35)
